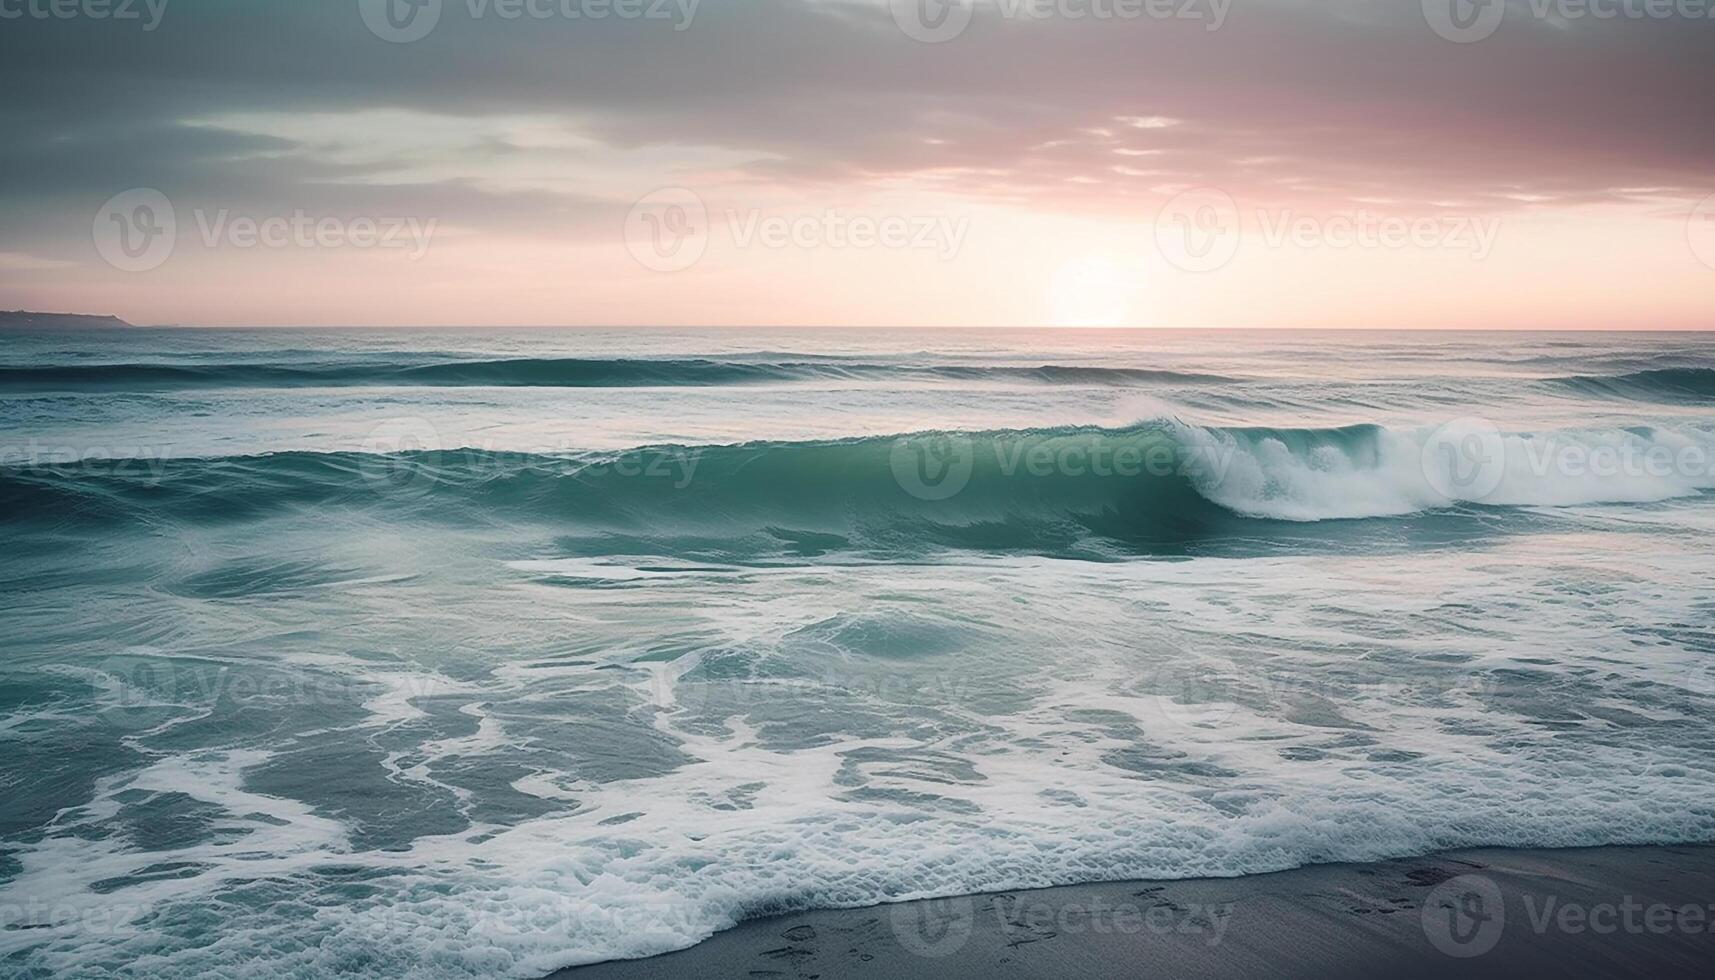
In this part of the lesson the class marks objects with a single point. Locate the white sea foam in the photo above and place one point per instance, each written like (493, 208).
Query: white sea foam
(661, 748)
(1149, 736)
(1376, 472)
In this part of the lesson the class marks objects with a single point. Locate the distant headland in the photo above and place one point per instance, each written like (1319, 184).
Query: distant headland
(28, 318)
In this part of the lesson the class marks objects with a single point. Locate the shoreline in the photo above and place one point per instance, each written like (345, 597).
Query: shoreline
(1616, 911)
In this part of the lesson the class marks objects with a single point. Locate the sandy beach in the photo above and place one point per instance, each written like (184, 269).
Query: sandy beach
(1598, 912)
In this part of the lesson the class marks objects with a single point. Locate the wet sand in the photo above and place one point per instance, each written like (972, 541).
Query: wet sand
(1588, 912)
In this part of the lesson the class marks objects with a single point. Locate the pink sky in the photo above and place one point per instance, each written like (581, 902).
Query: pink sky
(817, 162)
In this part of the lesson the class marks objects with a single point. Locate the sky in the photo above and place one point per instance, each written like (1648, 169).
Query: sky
(1533, 164)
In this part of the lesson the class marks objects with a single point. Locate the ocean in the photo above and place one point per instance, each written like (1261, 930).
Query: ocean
(484, 652)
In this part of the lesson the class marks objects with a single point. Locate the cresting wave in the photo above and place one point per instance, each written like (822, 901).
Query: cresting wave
(479, 713)
(1162, 485)
(565, 372)
(1675, 384)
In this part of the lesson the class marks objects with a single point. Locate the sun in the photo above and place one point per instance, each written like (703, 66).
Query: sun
(1091, 291)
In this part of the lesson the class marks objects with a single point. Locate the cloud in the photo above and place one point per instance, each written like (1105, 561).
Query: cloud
(551, 127)
(21, 262)
(1342, 95)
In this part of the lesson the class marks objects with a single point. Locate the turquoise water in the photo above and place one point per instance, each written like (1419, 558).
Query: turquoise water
(483, 653)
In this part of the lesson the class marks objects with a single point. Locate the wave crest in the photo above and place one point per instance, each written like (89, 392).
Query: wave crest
(1675, 384)
(1158, 486)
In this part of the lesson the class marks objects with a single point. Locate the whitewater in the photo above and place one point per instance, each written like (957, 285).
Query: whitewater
(484, 653)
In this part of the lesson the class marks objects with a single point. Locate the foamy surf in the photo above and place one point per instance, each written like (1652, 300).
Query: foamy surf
(483, 678)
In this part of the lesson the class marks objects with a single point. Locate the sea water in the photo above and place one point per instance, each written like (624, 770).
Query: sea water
(483, 653)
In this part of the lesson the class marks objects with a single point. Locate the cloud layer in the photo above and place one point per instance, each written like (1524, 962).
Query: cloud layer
(549, 126)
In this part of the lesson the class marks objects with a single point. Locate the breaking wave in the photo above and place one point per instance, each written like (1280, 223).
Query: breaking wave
(1158, 485)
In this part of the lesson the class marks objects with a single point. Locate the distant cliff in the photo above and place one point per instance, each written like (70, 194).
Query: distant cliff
(27, 318)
